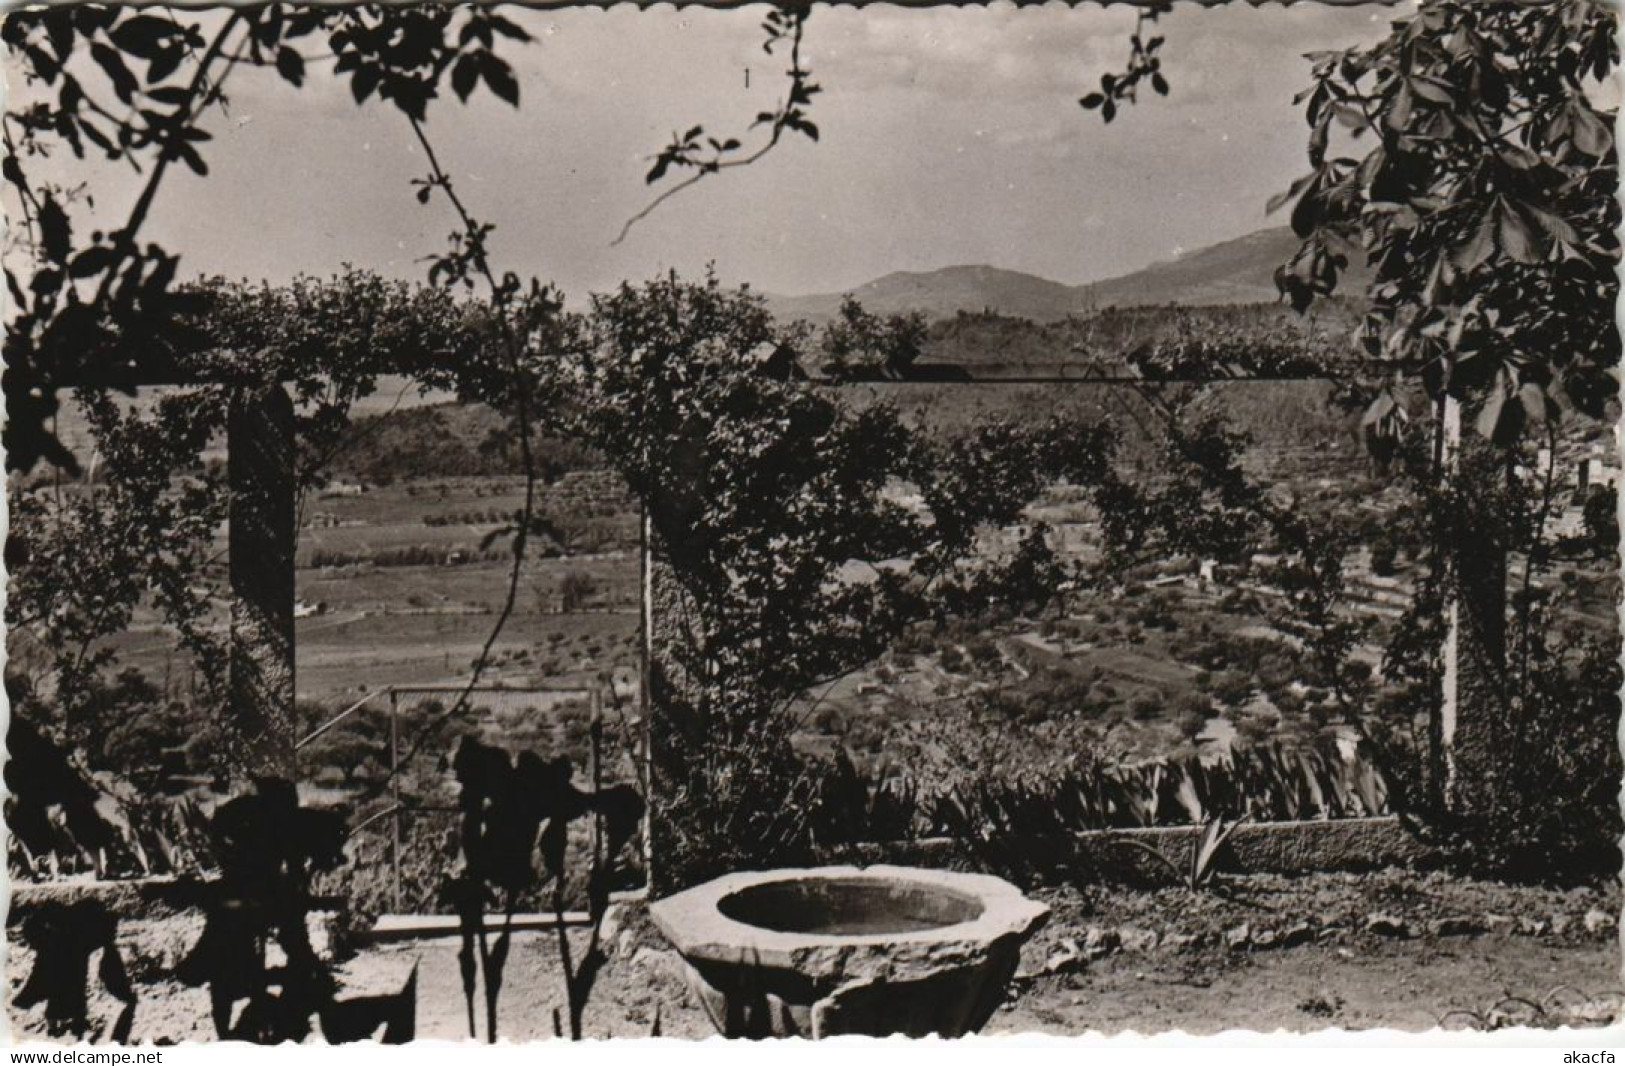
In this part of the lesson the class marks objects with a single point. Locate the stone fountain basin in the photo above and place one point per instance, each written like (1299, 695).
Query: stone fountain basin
(832, 950)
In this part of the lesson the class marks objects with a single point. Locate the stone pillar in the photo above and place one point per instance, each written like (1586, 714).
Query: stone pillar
(1474, 727)
(676, 731)
(667, 718)
(259, 725)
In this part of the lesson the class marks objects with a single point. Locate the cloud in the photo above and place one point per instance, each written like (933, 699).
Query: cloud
(1214, 55)
(948, 135)
(952, 53)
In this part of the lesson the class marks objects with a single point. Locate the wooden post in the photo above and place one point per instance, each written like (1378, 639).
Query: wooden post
(596, 752)
(395, 798)
(670, 727)
(658, 727)
(645, 704)
(259, 726)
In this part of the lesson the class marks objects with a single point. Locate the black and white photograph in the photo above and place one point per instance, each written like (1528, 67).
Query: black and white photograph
(576, 521)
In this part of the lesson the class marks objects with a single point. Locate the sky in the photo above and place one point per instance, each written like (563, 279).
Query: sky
(948, 136)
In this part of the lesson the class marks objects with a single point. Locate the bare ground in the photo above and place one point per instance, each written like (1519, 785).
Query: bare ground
(1387, 950)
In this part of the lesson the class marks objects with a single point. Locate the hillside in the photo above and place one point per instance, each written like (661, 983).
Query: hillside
(1235, 272)
(1239, 271)
(942, 293)
(1101, 341)
(980, 315)
(446, 440)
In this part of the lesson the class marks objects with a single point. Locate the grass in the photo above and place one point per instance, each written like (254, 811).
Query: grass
(481, 586)
(424, 624)
(354, 656)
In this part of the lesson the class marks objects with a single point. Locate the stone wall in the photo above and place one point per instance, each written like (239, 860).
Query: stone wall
(1349, 844)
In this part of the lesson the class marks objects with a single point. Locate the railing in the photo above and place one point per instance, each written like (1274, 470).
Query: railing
(397, 806)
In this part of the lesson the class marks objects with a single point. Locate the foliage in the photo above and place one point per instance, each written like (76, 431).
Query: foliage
(101, 311)
(863, 345)
(1383, 552)
(1207, 343)
(985, 804)
(1553, 699)
(575, 590)
(763, 494)
(64, 817)
(1026, 826)
(1486, 206)
(1602, 522)
(1201, 863)
(129, 723)
(446, 440)
(1548, 693)
(1143, 64)
(83, 556)
(269, 848)
(81, 560)
(783, 25)
(1487, 212)
(509, 810)
(1487, 209)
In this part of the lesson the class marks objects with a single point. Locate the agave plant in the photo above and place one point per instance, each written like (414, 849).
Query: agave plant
(1197, 870)
(513, 811)
(1267, 783)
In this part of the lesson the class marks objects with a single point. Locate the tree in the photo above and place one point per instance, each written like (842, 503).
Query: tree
(764, 492)
(1486, 206)
(83, 556)
(101, 310)
(1383, 552)
(1601, 517)
(81, 561)
(863, 345)
(574, 591)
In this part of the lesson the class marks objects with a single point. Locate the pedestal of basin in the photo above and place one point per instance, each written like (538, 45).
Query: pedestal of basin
(874, 950)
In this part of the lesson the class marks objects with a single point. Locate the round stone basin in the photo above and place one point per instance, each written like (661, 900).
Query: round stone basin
(840, 949)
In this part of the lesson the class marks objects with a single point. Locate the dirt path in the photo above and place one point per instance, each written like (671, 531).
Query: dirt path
(1109, 960)
(1408, 985)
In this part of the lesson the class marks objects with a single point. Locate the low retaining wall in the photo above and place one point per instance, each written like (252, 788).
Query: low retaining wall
(160, 919)
(1351, 844)
(137, 897)
(143, 897)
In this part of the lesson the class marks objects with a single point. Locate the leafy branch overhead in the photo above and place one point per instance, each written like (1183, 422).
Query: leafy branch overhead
(1466, 157)
(704, 155)
(1117, 89)
(92, 308)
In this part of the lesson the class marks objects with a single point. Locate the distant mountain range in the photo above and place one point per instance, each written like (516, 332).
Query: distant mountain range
(1228, 274)
(1239, 271)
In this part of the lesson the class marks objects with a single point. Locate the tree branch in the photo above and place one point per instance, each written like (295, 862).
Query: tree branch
(182, 116)
(788, 21)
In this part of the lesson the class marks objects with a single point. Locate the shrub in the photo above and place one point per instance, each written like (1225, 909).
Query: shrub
(1383, 552)
(1195, 703)
(985, 653)
(1232, 688)
(827, 720)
